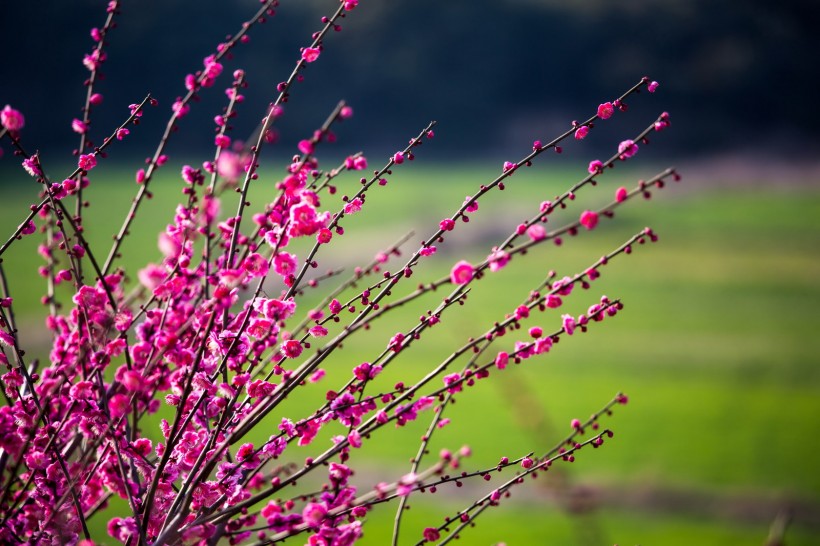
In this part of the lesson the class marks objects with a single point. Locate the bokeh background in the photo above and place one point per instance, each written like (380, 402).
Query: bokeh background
(717, 346)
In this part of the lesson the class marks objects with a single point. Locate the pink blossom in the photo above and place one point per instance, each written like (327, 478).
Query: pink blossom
(122, 132)
(543, 345)
(346, 112)
(291, 348)
(353, 206)
(595, 167)
(230, 165)
(222, 141)
(536, 332)
(536, 232)
(180, 108)
(310, 54)
(306, 146)
(350, 4)
(318, 331)
(653, 85)
(87, 162)
(96, 99)
(589, 219)
(284, 263)
(356, 163)
(509, 166)
(526, 462)
(627, 149)
(405, 485)
(605, 110)
(398, 158)
(313, 513)
(32, 166)
(501, 360)
(576, 424)
(581, 132)
(255, 265)
(447, 224)
(427, 251)
(621, 194)
(324, 236)
(78, 126)
(568, 323)
(92, 61)
(471, 206)
(12, 119)
(663, 122)
(431, 534)
(498, 260)
(462, 272)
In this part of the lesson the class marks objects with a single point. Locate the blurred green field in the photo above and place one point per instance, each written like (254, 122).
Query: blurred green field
(716, 347)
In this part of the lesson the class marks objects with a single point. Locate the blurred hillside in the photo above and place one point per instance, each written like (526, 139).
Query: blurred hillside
(494, 74)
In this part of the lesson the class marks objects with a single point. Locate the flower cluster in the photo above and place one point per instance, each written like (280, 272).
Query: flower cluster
(215, 337)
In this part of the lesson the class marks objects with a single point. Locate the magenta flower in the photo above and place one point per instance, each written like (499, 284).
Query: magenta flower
(78, 126)
(627, 149)
(462, 272)
(581, 132)
(595, 167)
(589, 219)
(498, 259)
(292, 348)
(568, 323)
(621, 194)
(501, 360)
(353, 206)
(306, 146)
(536, 232)
(314, 513)
(12, 119)
(652, 86)
(87, 162)
(32, 166)
(431, 534)
(605, 110)
(310, 54)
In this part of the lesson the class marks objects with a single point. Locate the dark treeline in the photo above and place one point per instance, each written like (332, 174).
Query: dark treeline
(494, 74)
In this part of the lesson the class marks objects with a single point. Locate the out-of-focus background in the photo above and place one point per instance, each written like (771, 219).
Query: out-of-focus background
(717, 345)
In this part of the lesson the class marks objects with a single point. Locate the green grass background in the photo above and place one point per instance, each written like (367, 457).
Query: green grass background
(716, 347)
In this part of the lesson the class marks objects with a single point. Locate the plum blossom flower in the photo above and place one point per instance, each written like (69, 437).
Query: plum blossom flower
(462, 272)
(605, 110)
(595, 167)
(581, 132)
(12, 119)
(78, 126)
(310, 54)
(589, 219)
(627, 149)
(568, 323)
(653, 85)
(431, 534)
(314, 513)
(498, 259)
(87, 162)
